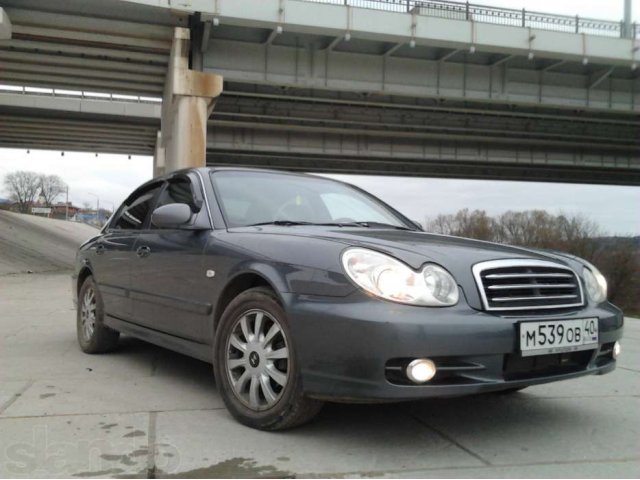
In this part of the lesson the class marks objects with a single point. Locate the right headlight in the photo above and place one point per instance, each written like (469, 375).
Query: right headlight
(388, 278)
(595, 283)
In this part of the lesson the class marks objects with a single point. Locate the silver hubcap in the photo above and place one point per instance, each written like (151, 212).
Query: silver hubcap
(88, 314)
(257, 360)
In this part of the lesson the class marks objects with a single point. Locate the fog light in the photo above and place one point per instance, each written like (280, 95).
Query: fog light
(421, 370)
(616, 349)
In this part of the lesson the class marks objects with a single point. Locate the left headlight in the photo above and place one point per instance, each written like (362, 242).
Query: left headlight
(595, 282)
(388, 278)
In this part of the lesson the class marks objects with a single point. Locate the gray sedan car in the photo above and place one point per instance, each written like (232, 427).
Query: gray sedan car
(300, 289)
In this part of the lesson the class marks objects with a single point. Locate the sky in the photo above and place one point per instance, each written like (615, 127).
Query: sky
(615, 209)
(110, 177)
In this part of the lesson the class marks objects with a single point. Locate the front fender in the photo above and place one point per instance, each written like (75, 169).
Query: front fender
(297, 279)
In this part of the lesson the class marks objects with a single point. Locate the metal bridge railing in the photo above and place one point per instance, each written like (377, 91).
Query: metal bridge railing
(496, 15)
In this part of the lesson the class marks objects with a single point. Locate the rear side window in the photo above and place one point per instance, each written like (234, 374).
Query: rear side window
(133, 214)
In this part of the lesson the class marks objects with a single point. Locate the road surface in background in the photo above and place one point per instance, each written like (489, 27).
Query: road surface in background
(38, 244)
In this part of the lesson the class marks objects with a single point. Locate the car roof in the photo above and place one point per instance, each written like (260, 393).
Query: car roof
(260, 170)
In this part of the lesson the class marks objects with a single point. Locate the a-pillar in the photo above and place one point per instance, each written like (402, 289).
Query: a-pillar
(189, 97)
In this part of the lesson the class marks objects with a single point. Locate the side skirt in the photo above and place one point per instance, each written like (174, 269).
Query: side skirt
(180, 345)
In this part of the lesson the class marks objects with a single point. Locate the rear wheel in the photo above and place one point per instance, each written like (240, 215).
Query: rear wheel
(256, 367)
(93, 335)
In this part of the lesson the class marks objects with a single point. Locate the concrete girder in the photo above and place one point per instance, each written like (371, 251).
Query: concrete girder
(95, 65)
(149, 80)
(475, 110)
(388, 135)
(90, 37)
(414, 77)
(29, 17)
(287, 146)
(189, 97)
(422, 130)
(63, 50)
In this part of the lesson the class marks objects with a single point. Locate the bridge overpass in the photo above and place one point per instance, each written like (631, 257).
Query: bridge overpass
(396, 87)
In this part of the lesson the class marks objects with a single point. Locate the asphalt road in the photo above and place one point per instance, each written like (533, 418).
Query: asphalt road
(37, 244)
(145, 411)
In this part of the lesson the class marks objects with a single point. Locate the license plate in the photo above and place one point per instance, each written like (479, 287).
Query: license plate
(539, 338)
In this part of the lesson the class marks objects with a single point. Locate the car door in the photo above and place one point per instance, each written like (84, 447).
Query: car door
(170, 289)
(113, 252)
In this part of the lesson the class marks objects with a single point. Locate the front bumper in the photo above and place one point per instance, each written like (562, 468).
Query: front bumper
(348, 348)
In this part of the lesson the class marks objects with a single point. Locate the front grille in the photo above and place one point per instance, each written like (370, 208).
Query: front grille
(527, 285)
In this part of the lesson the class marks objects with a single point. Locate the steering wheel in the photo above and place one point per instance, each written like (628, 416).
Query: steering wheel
(303, 211)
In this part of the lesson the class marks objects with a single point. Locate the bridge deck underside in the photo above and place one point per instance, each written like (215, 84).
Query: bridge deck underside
(348, 132)
(66, 131)
(311, 102)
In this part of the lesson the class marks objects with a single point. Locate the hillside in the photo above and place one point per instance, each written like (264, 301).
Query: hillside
(36, 244)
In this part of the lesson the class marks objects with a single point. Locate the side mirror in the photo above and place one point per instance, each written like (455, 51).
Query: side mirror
(174, 215)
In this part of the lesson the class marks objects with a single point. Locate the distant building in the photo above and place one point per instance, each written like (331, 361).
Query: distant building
(59, 210)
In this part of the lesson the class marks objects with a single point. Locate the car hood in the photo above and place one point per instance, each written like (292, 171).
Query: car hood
(456, 254)
(416, 248)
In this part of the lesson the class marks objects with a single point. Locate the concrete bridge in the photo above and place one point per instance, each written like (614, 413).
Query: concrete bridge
(396, 87)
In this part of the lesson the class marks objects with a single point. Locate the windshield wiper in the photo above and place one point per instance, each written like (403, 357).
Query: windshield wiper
(283, 223)
(383, 225)
(289, 223)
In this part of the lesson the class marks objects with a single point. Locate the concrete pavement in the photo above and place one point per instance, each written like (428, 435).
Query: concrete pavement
(143, 411)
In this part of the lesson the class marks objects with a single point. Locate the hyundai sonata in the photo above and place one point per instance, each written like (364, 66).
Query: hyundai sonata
(300, 289)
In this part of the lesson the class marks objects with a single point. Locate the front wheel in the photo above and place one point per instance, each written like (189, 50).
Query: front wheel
(255, 364)
(93, 335)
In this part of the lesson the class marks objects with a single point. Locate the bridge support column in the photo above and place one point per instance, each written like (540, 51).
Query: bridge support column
(5, 25)
(189, 97)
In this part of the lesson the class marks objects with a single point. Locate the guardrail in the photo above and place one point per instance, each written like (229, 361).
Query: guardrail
(497, 15)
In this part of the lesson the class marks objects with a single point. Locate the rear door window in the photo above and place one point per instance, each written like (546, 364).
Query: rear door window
(134, 213)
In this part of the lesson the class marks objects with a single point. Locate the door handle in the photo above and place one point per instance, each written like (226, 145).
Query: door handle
(99, 249)
(143, 252)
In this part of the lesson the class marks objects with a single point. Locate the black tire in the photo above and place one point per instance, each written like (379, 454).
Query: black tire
(102, 339)
(292, 408)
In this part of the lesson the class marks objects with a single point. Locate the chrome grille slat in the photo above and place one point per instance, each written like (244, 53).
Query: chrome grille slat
(522, 284)
(518, 299)
(502, 276)
(509, 286)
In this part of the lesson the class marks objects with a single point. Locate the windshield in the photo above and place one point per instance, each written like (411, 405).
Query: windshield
(252, 198)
